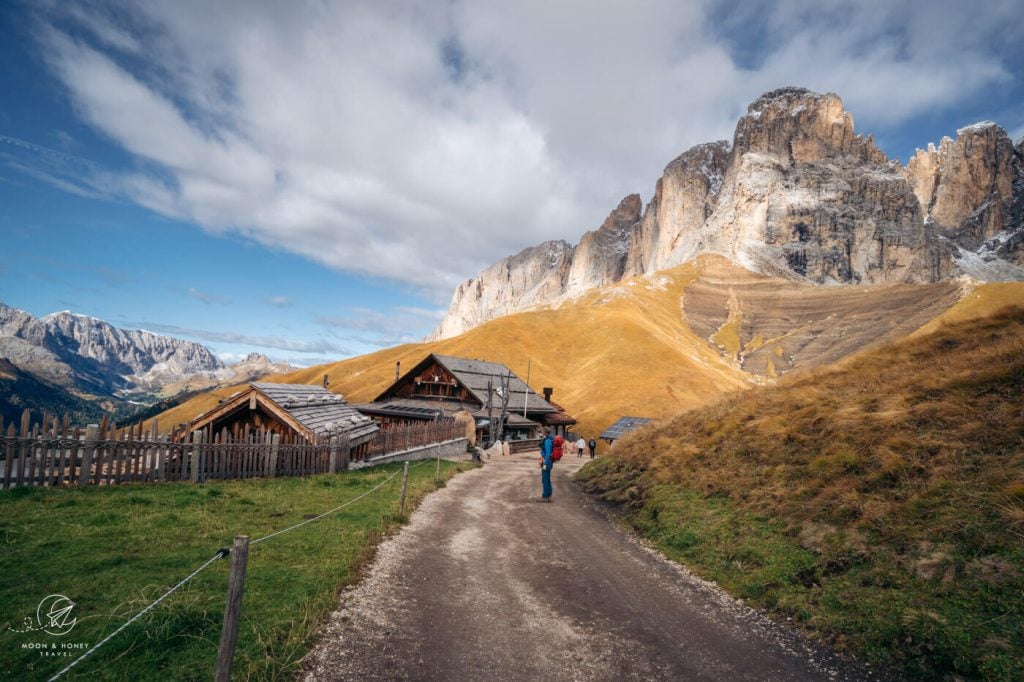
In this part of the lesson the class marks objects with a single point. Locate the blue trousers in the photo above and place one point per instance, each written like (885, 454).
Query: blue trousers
(545, 482)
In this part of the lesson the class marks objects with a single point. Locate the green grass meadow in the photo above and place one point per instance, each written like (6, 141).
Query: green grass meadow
(113, 550)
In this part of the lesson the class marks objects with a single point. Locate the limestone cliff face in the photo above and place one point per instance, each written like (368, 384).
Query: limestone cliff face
(684, 198)
(798, 126)
(600, 257)
(969, 187)
(805, 195)
(533, 276)
(798, 194)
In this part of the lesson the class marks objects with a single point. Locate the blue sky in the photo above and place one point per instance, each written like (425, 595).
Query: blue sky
(311, 180)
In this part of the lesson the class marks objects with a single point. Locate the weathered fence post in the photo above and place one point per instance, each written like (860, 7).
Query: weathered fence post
(232, 609)
(334, 454)
(405, 483)
(92, 434)
(275, 442)
(437, 471)
(346, 452)
(197, 439)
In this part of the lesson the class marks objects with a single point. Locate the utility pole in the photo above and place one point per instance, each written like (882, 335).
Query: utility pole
(490, 413)
(506, 397)
(526, 393)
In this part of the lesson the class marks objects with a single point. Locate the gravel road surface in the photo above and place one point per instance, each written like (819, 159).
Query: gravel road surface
(487, 583)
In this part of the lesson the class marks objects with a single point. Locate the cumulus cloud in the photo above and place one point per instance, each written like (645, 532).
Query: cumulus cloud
(421, 143)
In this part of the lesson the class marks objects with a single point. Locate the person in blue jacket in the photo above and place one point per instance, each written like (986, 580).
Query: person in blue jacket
(547, 446)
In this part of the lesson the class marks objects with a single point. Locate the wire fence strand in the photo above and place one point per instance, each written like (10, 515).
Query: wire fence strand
(220, 555)
(326, 513)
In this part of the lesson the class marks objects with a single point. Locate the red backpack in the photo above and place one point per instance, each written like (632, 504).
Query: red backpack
(556, 451)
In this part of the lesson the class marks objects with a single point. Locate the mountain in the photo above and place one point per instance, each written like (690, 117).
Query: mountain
(87, 358)
(20, 390)
(655, 346)
(798, 195)
(253, 366)
(94, 357)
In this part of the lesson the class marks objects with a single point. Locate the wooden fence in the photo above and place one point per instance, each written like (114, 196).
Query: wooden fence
(54, 454)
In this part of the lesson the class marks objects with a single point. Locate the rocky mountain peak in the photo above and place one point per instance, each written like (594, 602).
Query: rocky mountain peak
(625, 214)
(536, 274)
(801, 126)
(94, 356)
(969, 189)
(256, 358)
(684, 197)
(798, 194)
(600, 257)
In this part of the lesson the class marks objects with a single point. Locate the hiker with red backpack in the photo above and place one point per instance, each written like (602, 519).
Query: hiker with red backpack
(550, 452)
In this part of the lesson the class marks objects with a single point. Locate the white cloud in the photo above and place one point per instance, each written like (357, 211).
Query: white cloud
(319, 346)
(279, 301)
(382, 328)
(205, 297)
(420, 143)
(436, 314)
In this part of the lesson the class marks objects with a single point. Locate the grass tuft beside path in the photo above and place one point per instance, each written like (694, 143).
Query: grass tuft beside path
(879, 502)
(113, 550)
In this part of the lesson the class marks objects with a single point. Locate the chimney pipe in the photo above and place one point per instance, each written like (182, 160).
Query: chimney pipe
(398, 368)
(327, 381)
(548, 390)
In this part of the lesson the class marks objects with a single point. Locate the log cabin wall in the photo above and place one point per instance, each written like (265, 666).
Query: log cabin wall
(433, 381)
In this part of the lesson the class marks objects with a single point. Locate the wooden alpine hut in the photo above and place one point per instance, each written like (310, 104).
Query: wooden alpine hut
(299, 413)
(442, 385)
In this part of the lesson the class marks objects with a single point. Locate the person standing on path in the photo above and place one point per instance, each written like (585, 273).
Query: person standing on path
(547, 448)
(580, 446)
(593, 447)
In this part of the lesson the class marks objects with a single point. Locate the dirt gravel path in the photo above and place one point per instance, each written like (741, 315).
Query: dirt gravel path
(486, 583)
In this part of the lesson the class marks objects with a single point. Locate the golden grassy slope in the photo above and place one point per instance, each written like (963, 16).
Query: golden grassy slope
(630, 349)
(880, 500)
(984, 301)
(620, 350)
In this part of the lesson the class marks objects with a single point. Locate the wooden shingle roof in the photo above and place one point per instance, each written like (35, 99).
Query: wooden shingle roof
(317, 409)
(311, 411)
(474, 375)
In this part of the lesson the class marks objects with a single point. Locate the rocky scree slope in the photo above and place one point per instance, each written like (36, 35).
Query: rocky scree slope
(796, 194)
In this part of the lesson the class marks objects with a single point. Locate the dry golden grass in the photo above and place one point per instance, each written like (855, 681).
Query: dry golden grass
(879, 502)
(870, 441)
(625, 349)
(983, 301)
(620, 350)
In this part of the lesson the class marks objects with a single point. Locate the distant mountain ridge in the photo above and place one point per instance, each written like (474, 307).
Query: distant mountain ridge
(92, 359)
(796, 194)
(95, 356)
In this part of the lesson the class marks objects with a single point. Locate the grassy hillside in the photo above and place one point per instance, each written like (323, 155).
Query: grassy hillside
(655, 346)
(621, 350)
(879, 502)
